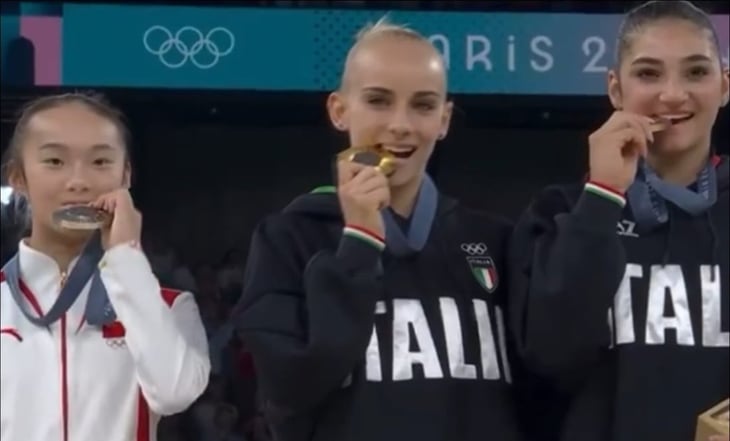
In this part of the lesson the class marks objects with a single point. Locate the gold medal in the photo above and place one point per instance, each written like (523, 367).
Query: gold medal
(81, 217)
(373, 155)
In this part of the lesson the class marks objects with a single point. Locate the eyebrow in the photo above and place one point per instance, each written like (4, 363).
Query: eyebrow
(689, 59)
(420, 94)
(61, 146)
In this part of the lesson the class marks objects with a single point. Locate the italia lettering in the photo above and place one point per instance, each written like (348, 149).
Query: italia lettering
(413, 344)
(668, 308)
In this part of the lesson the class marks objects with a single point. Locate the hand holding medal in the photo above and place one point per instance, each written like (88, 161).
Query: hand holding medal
(362, 186)
(113, 213)
(126, 224)
(617, 146)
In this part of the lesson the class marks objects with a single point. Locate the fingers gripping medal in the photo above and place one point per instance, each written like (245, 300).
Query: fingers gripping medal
(373, 155)
(81, 217)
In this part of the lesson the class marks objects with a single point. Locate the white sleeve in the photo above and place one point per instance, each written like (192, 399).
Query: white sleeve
(168, 343)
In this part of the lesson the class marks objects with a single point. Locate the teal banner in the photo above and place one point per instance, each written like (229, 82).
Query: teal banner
(90, 45)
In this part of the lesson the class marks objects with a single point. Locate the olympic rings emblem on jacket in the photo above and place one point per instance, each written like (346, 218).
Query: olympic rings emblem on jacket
(474, 249)
(217, 43)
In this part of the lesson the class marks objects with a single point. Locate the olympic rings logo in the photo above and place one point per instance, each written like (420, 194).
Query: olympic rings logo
(474, 249)
(116, 343)
(204, 51)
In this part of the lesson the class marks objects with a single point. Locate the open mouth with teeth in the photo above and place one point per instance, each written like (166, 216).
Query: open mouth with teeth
(401, 153)
(677, 119)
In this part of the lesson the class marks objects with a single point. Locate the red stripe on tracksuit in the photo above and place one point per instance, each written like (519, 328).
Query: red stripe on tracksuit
(143, 409)
(28, 294)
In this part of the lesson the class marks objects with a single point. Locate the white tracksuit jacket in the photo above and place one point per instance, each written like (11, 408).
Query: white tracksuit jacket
(77, 382)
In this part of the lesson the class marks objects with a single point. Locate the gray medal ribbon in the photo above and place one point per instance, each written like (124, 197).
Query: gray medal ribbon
(98, 308)
(404, 243)
(649, 194)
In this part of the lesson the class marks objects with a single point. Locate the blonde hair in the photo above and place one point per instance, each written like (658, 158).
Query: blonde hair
(382, 28)
(385, 27)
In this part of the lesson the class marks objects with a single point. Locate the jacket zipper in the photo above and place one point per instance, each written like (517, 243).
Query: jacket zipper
(64, 368)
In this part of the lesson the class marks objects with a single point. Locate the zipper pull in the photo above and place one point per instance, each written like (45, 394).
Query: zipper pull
(63, 278)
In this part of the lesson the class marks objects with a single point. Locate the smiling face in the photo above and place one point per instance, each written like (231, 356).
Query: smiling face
(672, 70)
(68, 155)
(394, 93)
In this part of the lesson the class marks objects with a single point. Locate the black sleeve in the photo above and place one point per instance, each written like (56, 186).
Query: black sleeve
(307, 324)
(566, 264)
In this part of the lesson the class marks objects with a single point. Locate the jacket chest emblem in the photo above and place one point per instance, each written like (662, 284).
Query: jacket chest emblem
(481, 265)
(113, 334)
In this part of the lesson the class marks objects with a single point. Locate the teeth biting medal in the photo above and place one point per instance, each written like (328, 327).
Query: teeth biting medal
(374, 155)
(81, 217)
(662, 123)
